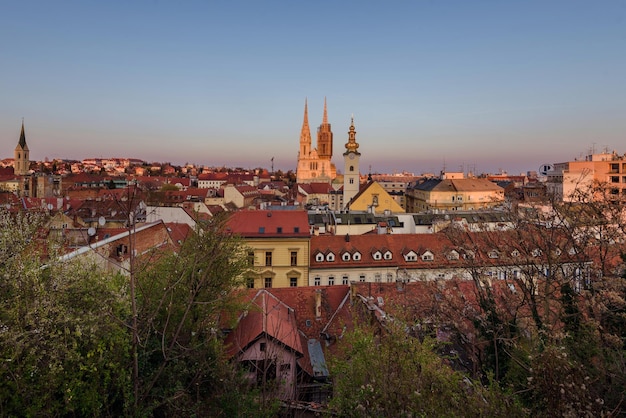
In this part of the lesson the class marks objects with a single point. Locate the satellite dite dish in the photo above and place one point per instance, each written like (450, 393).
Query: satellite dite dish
(101, 221)
(545, 168)
(91, 231)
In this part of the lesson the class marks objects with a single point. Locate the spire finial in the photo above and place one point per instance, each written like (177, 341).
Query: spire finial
(325, 118)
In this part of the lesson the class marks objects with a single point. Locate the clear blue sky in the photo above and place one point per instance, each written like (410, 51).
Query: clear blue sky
(484, 84)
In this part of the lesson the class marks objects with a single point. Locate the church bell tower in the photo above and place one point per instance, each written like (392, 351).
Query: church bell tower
(21, 163)
(351, 167)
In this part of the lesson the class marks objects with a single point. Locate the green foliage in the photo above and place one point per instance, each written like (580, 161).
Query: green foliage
(181, 297)
(62, 349)
(395, 374)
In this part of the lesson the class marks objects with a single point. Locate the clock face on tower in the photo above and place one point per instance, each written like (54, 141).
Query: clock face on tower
(351, 156)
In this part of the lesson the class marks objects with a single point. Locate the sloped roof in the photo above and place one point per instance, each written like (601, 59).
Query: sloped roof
(268, 316)
(268, 223)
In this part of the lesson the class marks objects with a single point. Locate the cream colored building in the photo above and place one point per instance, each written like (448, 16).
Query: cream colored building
(453, 193)
(574, 180)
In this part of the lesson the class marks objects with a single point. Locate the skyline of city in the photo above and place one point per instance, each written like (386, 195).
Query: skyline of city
(481, 85)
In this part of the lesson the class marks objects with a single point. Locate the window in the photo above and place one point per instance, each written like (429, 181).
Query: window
(268, 282)
(331, 280)
(250, 283)
(293, 282)
(428, 256)
(268, 258)
(279, 230)
(453, 255)
(330, 257)
(261, 230)
(344, 280)
(351, 168)
(389, 277)
(377, 255)
(294, 258)
(362, 278)
(296, 229)
(351, 181)
(319, 257)
(345, 256)
(250, 258)
(262, 346)
(387, 255)
(377, 277)
(356, 256)
(317, 280)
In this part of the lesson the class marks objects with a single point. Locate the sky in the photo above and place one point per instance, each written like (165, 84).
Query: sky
(432, 84)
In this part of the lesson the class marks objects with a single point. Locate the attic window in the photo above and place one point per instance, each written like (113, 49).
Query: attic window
(345, 256)
(330, 257)
(515, 253)
(261, 230)
(493, 254)
(428, 256)
(279, 230)
(377, 255)
(356, 256)
(410, 256)
(388, 255)
(453, 255)
(319, 257)
(296, 229)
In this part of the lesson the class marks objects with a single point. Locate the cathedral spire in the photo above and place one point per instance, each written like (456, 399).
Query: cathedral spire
(305, 134)
(325, 118)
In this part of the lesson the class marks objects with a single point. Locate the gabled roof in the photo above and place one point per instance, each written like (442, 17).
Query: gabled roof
(267, 316)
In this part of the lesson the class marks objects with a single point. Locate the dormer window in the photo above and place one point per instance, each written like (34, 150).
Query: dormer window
(453, 255)
(410, 256)
(377, 255)
(428, 256)
(469, 255)
(515, 253)
(536, 252)
(345, 256)
(356, 256)
(493, 254)
(387, 255)
(330, 257)
(319, 257)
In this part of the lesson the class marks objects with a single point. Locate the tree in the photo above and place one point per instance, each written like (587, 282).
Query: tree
(393, 373)
(181, 297)
(557, 337)
(63, 349)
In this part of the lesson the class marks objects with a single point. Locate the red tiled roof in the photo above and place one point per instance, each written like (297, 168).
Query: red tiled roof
(269, 316)
(268, 223)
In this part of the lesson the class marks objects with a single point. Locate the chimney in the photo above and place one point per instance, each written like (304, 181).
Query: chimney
(318, 304)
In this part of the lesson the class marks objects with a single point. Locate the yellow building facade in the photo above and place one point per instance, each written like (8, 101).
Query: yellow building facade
(277, 244)
(373, 197)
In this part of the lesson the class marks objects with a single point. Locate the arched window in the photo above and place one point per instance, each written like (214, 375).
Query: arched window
(351, 168)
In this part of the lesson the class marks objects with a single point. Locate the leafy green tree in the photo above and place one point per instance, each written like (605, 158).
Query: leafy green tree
(391, 373)
(181, 297)
(63, 349)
